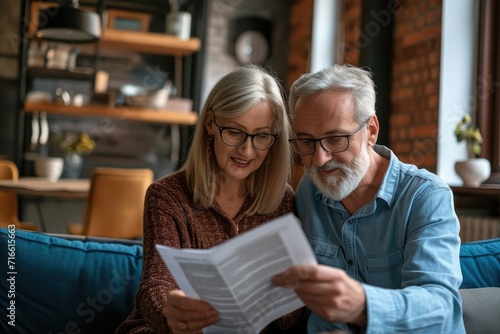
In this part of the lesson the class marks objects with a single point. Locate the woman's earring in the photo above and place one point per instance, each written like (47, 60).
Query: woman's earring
(209, 143)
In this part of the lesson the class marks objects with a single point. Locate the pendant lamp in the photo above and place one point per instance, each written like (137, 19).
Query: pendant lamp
(69, 24)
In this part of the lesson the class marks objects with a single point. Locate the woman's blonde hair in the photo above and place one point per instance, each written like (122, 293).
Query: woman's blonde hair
(235, 94)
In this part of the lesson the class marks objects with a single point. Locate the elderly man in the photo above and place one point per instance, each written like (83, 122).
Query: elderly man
(385, 233)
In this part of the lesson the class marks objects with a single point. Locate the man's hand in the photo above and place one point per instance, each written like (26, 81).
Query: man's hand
(327, 291)
(187, 315)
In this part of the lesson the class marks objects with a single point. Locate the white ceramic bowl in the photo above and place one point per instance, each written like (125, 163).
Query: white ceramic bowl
(49, 168)
(138, 97)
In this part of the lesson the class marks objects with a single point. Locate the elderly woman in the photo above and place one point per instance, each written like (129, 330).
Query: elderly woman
(234, 179)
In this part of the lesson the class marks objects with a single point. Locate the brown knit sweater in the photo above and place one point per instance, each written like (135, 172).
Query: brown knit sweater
(172, 218)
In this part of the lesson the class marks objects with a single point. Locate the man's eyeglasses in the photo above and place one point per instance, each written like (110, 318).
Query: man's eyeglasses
(331, 144)
(237, 137)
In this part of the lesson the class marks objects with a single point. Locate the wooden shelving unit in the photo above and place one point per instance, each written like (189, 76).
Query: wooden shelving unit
(145, 42)
(157, 116)
(126, 42)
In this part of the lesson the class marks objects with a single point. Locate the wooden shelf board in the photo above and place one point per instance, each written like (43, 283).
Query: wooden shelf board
(123, 113)
(37, 72)
(153, 43)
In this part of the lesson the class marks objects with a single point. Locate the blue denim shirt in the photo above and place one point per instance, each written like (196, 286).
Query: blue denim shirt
(403, 246)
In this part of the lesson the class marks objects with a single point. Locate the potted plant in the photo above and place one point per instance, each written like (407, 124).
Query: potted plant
(474, 170)
(465, 131)
(74, 145)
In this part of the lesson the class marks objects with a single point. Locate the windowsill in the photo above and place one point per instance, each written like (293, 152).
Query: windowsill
(493, 180)
(484, 189)
(483, 200)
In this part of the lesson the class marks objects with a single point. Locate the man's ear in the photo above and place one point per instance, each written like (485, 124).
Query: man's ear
(373, 128)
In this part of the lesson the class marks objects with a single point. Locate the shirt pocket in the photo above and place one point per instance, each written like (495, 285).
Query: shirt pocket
(385, 269)
(326, 253)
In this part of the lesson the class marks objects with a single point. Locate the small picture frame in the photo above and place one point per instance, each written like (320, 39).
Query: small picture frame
(126, 20)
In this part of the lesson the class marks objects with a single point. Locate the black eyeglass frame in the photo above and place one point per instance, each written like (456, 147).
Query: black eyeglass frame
(222, 128)
(347, 137)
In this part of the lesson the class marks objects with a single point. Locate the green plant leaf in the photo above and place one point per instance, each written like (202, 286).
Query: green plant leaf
(471, 134)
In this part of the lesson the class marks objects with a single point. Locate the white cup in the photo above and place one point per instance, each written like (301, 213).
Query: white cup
(49, 168)
(179, 24)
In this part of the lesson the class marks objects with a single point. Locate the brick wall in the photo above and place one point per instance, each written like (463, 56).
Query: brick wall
(415, 75)
(299, 40)
(416, 65)
(415, 71)
(350, 31)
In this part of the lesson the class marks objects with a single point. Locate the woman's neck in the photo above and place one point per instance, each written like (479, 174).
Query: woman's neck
(230, 196)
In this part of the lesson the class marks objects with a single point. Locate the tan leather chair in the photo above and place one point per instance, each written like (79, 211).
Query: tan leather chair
(8, 200)
(115, 204)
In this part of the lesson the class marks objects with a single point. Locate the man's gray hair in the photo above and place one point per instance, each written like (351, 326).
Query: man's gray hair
(355, 80)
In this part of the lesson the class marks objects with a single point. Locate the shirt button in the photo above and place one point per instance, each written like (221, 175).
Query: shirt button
(350, 262)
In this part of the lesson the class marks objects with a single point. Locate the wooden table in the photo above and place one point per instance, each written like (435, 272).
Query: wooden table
(36, 186)
(43, 188)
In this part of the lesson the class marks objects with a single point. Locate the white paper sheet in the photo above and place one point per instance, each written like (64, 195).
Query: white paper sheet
(235, 276)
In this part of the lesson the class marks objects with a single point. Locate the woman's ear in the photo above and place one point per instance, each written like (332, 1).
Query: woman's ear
(209, 123)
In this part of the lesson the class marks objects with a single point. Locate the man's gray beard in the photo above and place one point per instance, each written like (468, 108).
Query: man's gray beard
(338, 188)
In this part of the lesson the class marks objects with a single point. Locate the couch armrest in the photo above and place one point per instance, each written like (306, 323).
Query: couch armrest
(480, 264)
(480, 310)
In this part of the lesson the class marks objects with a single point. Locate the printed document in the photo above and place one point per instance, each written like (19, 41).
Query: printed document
(235, 276)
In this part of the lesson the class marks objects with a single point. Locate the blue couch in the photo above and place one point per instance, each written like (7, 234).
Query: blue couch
(62, 285)
(88, 285)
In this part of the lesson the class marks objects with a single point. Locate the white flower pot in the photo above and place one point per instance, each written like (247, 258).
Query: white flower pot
(473, 171)
(49, 168)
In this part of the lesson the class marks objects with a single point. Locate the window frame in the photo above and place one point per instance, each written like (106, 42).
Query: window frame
(488, 94)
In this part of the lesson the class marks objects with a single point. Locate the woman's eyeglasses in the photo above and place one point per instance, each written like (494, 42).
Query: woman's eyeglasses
(237, 137)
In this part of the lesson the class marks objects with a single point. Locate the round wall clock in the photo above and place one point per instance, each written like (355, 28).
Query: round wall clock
(252, 44)
(251, 48)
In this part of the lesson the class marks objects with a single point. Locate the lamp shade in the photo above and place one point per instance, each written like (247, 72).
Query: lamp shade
(69, 25)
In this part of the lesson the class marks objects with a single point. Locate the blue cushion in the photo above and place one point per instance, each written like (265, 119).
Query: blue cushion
(68, 286)
(480, 263)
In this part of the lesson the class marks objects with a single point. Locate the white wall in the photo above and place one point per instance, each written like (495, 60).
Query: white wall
(458, 81)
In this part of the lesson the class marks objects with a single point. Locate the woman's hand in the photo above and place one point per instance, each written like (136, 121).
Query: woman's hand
(187, 315)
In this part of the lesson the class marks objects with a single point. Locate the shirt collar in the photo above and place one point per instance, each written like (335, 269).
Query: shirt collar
(387, 188)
